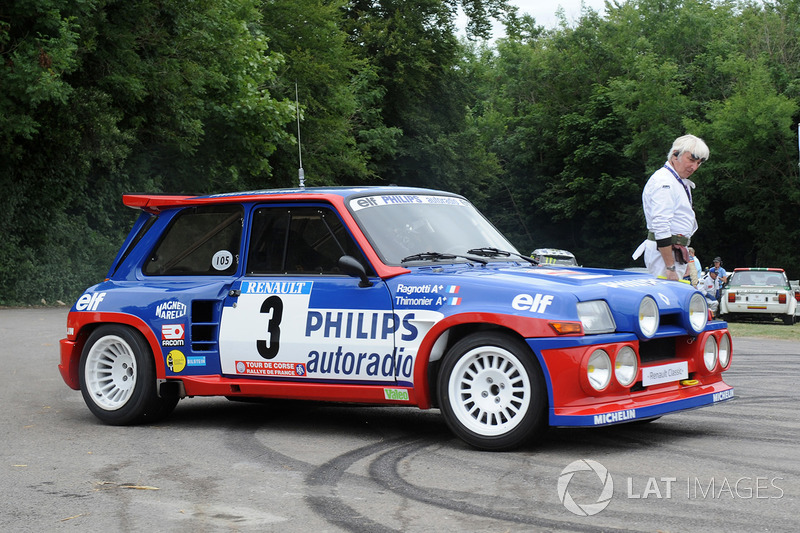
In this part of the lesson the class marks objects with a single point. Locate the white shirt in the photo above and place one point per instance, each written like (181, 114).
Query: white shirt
(708, 286)
(667, 208)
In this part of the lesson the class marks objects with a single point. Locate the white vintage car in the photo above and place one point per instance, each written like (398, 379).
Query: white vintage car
(759, 293)
(554, 256)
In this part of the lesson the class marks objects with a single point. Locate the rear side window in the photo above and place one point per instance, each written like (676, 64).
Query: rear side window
(151, 220)
(200, 241)
(295, 240)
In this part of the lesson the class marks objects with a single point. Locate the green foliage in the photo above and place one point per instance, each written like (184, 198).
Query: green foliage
(551, 132)
(104, 97)
(581, 141)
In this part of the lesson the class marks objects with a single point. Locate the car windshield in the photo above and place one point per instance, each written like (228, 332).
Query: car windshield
(757, 278)
(426, 228)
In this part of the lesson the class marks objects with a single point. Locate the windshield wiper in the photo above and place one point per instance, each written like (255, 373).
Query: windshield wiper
(495, 252)
(438, 256)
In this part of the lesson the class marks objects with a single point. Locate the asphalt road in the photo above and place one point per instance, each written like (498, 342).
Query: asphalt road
(216, 465)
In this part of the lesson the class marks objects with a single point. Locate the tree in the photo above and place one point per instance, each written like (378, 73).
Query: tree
(341, 131)
(757, 199)
(105, 97)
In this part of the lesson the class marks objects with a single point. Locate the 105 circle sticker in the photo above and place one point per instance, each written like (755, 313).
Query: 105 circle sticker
(222, 260)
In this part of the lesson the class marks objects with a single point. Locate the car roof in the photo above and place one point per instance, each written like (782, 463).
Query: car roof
(757, 269)
(158, 202)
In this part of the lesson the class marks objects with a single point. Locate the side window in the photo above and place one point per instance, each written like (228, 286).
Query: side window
(200, 241)
(293, 240)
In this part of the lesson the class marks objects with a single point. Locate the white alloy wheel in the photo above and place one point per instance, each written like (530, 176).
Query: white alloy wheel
(118, 378)
(489, 391)
(110, 372)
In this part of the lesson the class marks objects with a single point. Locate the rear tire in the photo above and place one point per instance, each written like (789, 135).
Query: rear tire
(789, 320)
(118, 380)
(492, 392)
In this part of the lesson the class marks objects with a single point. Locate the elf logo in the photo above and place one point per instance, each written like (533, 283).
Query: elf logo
(89, 302)
(534, 304)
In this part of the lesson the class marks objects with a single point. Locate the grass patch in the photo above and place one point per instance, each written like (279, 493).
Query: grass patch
(773, 330)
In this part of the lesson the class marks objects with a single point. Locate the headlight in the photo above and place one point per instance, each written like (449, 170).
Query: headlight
(596, 317)
(710, 353)
(599, 370)
(698, 312)
(626, 366)
(648, 317)
(724, 351)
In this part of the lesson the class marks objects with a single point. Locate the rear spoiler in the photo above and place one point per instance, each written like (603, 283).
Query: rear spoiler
(153, 203)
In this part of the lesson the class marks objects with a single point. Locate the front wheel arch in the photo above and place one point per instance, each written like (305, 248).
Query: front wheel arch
(455, 334)
(492, 392)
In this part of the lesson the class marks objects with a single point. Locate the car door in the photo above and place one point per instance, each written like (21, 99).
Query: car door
(295, 316)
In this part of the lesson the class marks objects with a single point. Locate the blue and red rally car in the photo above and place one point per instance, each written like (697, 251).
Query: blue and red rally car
(381, 295)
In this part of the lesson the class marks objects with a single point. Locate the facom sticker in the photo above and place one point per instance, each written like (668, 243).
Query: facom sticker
(172, 335)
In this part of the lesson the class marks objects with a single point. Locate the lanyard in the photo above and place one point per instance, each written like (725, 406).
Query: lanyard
(685, 188)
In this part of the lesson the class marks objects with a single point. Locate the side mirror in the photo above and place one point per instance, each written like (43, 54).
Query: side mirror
(352, 267)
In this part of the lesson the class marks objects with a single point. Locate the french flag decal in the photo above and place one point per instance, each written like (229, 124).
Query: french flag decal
(453, 289)
(455, 301)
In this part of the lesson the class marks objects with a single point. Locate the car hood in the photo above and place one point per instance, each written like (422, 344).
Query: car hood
(541, 292)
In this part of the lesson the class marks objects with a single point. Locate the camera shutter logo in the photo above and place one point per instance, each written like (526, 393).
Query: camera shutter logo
(587, 509)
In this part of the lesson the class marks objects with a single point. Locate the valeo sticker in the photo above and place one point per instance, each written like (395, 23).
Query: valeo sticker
(395, 394)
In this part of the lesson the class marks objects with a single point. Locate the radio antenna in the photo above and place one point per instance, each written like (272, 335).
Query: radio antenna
(301, 174)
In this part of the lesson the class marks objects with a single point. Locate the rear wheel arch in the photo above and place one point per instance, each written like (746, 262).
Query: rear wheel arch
(117, 377)
(86, 329)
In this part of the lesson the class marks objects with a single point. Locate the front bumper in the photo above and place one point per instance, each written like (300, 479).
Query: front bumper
(573, 402)
(68, 367)
(679, 399)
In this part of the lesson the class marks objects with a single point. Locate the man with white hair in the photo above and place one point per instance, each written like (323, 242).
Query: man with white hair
(667, 203)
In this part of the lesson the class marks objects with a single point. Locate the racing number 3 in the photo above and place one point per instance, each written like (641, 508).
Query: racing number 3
(272, 306)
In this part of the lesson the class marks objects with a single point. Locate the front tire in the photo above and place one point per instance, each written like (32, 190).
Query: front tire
(117, 378)
(492, 393)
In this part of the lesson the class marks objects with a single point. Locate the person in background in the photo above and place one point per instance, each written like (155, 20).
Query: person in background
(667, 203)
(693, 269)
(709, 286)
(722, 274)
